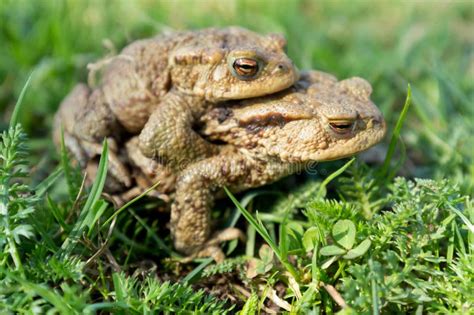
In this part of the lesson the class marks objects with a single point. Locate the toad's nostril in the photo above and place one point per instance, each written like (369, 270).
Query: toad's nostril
(281, 67)
(377, 120)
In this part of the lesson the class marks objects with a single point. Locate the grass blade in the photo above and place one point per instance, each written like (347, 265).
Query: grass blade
(464, 219)
(196, 271)
(43, 187)
(396, 134)
(158, 241)
(54, 210)
(99, 181)
(260, 228)
(125, 206)
(374, 287)
(16, 110)
(85, 218)
(328, 179)
(93, 216)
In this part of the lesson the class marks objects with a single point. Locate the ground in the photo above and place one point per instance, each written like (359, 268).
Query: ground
(409, 239)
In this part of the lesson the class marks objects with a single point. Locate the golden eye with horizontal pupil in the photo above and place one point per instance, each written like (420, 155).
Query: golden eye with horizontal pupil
(246, 68)
(342, 127)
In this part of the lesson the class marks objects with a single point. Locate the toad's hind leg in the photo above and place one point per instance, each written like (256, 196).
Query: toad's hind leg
(168, 135)
(94, 120)
(84, 114)
(65, 122)
(84, 150)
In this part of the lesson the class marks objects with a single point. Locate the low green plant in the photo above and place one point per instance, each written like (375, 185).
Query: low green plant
(395, 261)
(387, 246)
(344, 235)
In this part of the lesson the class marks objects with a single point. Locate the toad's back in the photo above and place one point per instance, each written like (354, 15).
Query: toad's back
(135, 80)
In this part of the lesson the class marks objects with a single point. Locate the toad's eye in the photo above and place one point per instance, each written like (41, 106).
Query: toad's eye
(342, 127)
(245, 68)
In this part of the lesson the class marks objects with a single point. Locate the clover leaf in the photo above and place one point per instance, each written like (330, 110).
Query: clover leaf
(344, 232)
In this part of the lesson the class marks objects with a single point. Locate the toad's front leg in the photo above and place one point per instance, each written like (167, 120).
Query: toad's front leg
(169, 136)
(195, 193)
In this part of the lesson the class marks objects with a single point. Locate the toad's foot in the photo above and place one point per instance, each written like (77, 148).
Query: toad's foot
(212, 248)
(86, 153)
(116, 168)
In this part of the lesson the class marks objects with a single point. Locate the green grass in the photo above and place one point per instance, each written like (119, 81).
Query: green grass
(64, 248)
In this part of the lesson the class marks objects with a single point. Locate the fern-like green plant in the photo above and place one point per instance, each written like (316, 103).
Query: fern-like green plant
(227, 266)
(16, 201)
(152, 296)
(362, 188)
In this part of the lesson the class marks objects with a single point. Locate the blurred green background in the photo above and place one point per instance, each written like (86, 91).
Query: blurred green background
(389, 43)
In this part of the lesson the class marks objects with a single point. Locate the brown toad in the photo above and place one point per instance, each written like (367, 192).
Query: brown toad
(175, 76)
(263, 140)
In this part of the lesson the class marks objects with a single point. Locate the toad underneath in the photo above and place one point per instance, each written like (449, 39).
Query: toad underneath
(262, 140)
